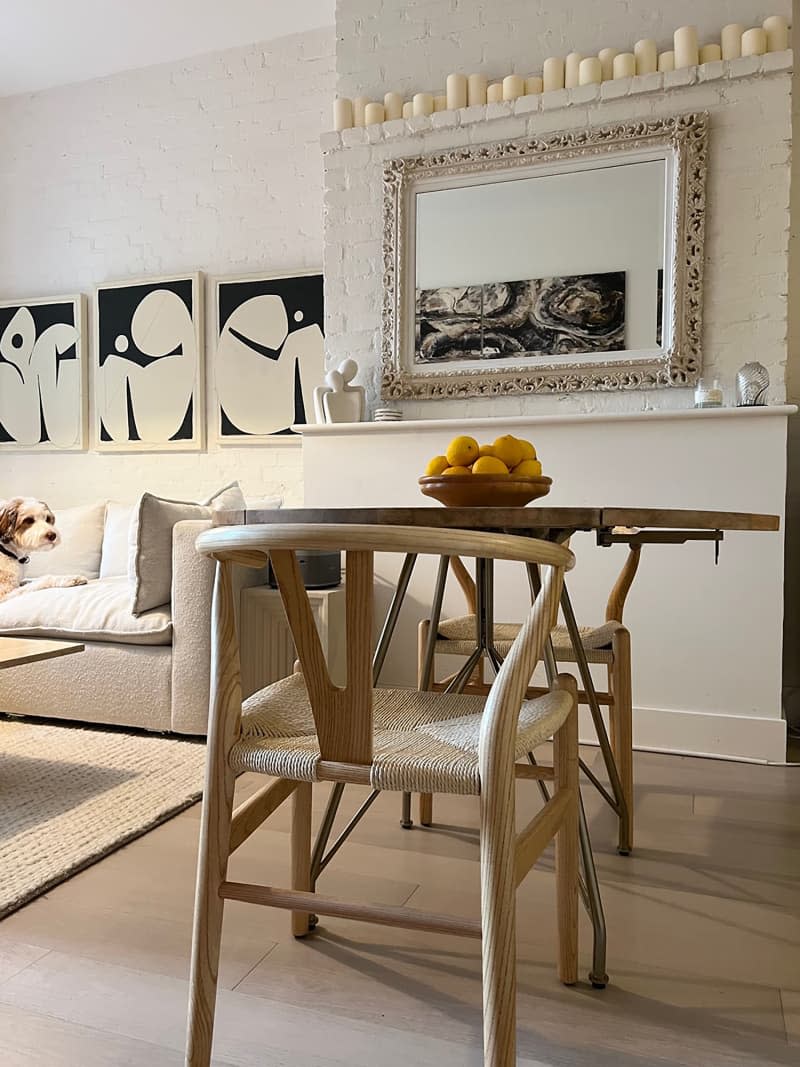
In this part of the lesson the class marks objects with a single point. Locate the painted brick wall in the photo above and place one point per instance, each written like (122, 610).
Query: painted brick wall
(212, 163)
(412, 44)
(747, 221)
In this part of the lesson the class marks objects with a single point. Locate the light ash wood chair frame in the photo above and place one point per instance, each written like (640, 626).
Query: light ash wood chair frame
(344, 726)
(618, 698)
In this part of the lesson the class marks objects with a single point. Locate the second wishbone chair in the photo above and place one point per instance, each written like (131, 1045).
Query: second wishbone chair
(304, 729)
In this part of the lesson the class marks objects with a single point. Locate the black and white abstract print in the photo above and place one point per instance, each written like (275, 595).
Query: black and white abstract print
(529, 318)
(148, 386)
(42, 374)
(270, 354)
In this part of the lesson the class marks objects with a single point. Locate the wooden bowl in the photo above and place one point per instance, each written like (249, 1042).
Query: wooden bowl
(484, 490)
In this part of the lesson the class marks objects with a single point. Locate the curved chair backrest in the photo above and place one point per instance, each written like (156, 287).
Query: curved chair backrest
(343, 716)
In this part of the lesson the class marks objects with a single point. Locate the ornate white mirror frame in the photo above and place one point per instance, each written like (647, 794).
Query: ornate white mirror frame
(681, 141)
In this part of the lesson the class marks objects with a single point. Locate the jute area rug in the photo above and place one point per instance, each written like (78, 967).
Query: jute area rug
(70, 795)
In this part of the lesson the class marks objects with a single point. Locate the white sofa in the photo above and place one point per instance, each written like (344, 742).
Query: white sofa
(150, 671)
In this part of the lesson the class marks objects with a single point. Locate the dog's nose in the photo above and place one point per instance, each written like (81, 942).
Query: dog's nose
(52, 535)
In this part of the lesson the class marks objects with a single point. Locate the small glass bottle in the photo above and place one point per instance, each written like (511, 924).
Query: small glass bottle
(708, 396)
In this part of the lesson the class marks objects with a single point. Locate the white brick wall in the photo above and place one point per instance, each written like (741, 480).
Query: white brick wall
(412, 44)
(747, 227)
(212, 163)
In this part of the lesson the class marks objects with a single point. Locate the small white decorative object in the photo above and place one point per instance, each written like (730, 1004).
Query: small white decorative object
(440, 102)
(422, 104)
(456, 89)
(534, 85)
(606, 57)
(624, 65)
(666, 61)
(342, 113)
(708, 396)
(777, 30)
(710, 53)
(685, 44)
(553, 74)
(732, 40)
(338, 400)
(387, 415)
(646, 52)
(752, 383)
(476, 90)
(494, 93)
(590, 71)
(408, 110)
(571, 66)
(513, 86)
(374, 114)
(359, 107)
(754, 42)
(393, 106)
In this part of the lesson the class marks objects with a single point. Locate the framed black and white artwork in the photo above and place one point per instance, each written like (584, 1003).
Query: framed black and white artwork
(43, 374)
(148, 366)
(270, 355)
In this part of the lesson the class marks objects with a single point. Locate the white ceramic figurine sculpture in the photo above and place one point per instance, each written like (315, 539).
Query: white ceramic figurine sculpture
(338, 400)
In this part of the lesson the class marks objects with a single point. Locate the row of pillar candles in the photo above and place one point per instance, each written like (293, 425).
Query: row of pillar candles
(469, 90)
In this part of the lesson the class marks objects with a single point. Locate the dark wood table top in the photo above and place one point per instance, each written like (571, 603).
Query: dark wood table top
(528, 518)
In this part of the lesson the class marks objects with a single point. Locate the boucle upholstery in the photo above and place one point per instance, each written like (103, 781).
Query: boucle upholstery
(423, 742)
(457, 638)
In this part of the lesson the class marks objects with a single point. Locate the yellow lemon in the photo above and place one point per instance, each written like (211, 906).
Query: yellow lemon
(509, 450)
(489, 465)
(528, 451)
(486, 450)
(531, 468)
(457, 469)
(462, 451)
(436, 466)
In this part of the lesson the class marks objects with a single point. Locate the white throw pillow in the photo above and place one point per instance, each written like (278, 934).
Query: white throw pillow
(150, 560)
(116, 540)
(229, 498)
(81, 530)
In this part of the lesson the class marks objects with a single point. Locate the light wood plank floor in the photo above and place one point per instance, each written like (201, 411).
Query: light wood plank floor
(704, 943)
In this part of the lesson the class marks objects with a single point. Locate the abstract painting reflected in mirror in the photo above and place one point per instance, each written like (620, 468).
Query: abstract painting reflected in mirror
(533, 318)
(42, 374)
(148, 375)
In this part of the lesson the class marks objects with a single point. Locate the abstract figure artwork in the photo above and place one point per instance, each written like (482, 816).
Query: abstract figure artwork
(42, 374)
(270, 354)
(148, 376)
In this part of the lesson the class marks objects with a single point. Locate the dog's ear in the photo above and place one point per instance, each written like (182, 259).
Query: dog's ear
(9, 514)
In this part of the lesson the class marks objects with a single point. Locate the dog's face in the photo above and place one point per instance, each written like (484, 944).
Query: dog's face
(29, 524)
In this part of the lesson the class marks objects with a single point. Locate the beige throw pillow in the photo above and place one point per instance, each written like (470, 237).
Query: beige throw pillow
(150, 561)
(81, 530)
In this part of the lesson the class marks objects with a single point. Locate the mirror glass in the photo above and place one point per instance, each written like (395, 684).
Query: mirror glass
(541, 267)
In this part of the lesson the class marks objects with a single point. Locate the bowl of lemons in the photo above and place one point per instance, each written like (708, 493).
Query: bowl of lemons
(507, 473)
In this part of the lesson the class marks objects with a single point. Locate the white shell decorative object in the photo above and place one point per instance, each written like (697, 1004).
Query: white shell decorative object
(338, 400)
(752, 383)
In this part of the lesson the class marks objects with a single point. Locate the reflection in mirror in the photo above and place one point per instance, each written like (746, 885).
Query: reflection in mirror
(549, 265)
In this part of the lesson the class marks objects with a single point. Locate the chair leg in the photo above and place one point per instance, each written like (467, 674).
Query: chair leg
(621, 716)
(565, 763)
(425, 809)
(301, 853)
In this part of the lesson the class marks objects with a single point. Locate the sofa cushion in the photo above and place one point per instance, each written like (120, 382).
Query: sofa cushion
(116, 540)
(99, 611)
(81, 530)
(151, 548)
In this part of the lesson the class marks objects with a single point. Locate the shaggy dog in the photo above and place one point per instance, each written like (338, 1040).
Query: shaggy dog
(27, 525)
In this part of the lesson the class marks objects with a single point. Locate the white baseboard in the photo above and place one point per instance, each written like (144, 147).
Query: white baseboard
(691, 733)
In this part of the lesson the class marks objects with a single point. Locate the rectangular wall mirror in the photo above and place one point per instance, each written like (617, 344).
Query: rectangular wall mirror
(567, 263)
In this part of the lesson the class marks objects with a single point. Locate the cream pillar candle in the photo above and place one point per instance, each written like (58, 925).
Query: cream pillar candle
(456, 91)
(571, 67)
(590, 71)
(342, 113)
(533, 86)
(687, 53)
(513, 86)
(476, 90)
(408, 109)
(606, 57)
(710, 53)
(777, 30)
(754, 42)
(393, 106)
(359, 104)
(440, 103)
(422, 104)
(666, 61)
(373, 114)
(494, 93)
(624, 65)
(646, 52)
(732, 40)
(553, 74)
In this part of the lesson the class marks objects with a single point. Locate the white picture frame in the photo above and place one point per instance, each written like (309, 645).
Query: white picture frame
(56, 410)
(167, 414)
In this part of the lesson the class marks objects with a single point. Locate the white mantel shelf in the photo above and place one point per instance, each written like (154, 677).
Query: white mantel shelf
(349, 429)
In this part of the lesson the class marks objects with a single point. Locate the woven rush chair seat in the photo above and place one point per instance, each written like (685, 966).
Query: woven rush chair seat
(457, 637)
(422, 741)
